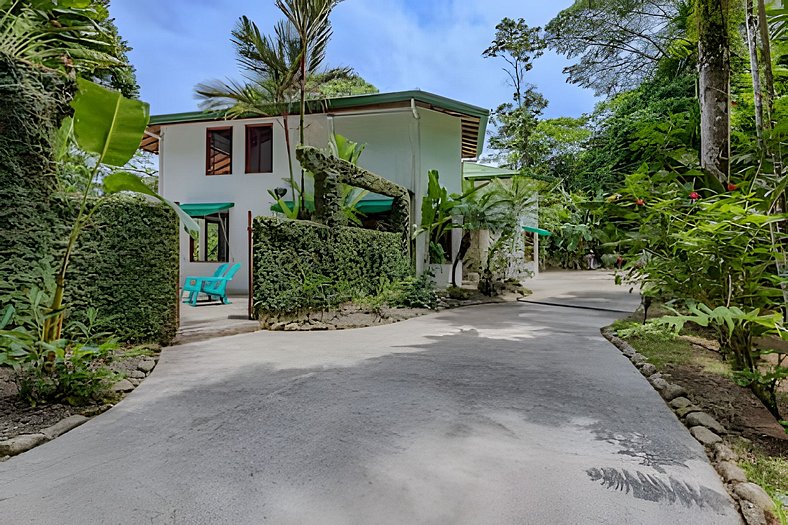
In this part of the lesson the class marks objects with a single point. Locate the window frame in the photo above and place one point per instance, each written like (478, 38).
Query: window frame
(247, 167)
(208, 132)
(223, 220)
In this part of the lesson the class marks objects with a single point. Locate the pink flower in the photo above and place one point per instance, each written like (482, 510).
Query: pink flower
(640, 202)
(694, 195)
(732, 187)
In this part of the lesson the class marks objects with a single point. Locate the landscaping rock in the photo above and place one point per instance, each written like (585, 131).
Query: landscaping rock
(292, 327)
(703, 419)
(684, 412)
(706, 437)
(19, 444)
(658, 383)
(747, 491)
(724, 453)
(135, 382)
(124, 385)
(671, 392)
(731, 472)
(146, 365)
(753, 515)
(638, 358)
(95, 410)
(647, 369)
(680, 402)
(63, 426)
(136, 374)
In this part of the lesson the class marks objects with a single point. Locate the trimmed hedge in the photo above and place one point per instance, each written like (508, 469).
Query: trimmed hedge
(126, 265)
(302, 266)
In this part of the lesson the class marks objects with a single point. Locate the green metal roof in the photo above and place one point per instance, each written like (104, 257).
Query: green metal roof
(476, 171)
(356, 101)
(206, 208)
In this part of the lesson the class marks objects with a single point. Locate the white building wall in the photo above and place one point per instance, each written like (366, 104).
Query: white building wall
(400, 147)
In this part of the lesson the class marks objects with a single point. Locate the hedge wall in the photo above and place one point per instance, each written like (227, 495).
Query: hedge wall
(33, 102)
(127, 266)
(301, 266)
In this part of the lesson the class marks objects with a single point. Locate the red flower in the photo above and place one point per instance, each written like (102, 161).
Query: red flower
(640, 202)
(732, 187)
(694, 195)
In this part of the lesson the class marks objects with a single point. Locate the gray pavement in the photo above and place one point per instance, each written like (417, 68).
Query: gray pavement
(507, 413)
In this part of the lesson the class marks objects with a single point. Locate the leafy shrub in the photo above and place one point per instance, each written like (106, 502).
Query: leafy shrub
(411, 292)
(63, 371)
(455, 292)
(302, 266)
(651, 329)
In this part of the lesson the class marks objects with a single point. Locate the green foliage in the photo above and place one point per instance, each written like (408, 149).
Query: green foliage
(66, 35)
(343, 83)
(60, 371)
(32, 104)
(107, 124)
(302, 266)
(618, 43)
(410, 292)
(126, 265)
(653, 329)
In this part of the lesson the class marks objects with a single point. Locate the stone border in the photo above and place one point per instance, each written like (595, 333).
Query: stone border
(24, 442)
(756, 506)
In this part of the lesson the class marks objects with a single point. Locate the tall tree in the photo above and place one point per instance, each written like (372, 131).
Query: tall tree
(714, 86)
(311, 22)
(270, 65)
(619, 43)
(518, 45)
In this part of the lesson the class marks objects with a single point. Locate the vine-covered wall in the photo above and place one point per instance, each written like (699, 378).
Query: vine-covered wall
(33, 102)
(126, 263)
(302, 266)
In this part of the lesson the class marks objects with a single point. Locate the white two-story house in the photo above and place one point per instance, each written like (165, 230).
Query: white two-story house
(220, 171)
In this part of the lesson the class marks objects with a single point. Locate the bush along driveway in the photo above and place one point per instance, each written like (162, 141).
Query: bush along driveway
(491, 414)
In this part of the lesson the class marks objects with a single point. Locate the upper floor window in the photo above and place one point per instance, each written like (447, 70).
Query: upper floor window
(219, 152)
(259, 149)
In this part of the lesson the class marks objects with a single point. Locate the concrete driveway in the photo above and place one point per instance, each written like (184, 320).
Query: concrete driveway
(510, 413)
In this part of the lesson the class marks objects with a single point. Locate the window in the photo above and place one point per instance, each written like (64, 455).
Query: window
(259, 149)
(214, 242)
(219, 151)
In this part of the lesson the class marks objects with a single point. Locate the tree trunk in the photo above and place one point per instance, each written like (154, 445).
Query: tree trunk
(751, 25)
(766, 59)
(714, 69)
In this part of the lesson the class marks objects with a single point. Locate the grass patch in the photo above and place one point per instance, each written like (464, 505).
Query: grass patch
(662, 347)
(770, 472)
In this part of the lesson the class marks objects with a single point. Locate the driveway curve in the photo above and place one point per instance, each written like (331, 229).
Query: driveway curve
(507, 413)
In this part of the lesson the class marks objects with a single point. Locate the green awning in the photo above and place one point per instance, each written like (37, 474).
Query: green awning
(531, 229)
(207, 208)
(378, 205)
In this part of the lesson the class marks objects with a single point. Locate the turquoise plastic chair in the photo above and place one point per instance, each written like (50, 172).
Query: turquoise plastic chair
(216, 287)
(193, 285)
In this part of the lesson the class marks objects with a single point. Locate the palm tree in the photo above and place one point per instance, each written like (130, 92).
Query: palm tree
(270, 66)
(311, 22)
(278, 70)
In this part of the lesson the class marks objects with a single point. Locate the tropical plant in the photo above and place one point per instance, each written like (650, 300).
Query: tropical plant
(109, 126)
(310, 20)
(437, 218)
(270, 67)
(68, 35)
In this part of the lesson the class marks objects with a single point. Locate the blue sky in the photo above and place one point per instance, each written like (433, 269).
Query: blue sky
(434, 45)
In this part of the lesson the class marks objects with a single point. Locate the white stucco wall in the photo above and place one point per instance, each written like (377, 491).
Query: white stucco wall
(400, 147)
